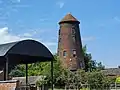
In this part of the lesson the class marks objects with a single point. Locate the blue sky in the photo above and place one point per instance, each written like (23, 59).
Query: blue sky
(38, 19)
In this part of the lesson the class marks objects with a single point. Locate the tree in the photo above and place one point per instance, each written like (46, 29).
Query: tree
(108, 81)
(91, 65)
(95, 79)
(42, 81)
(34, 69)
(98, 80)
(57, 70)
(81, 76)
(17, 73)
(100, 66)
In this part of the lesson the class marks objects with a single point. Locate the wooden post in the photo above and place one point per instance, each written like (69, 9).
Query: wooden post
(26, 76)
(52, 73)
(6, 69)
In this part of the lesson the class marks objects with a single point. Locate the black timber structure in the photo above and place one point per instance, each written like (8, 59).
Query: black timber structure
(24, 52)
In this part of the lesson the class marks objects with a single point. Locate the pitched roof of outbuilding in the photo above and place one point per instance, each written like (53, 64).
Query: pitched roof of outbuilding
(111, 71)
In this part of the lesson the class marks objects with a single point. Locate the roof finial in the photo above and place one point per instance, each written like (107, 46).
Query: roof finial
(69, 13)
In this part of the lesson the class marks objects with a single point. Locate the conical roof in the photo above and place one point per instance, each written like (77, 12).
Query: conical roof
(68, 17)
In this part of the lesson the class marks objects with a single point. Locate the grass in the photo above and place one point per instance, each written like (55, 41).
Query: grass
(84, 89)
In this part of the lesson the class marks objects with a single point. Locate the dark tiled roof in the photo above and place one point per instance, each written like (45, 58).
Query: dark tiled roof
(112, 71)
(68, 17)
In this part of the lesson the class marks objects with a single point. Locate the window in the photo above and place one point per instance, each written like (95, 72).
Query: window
(74, 53)
(64, 53)
(81, 65)
(59, 39)
(73, 37)
(59, 31)
(73, 34)
(58, 52)
(73, 31)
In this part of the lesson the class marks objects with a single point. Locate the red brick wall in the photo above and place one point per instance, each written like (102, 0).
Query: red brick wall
(67, 43)
(7, 86)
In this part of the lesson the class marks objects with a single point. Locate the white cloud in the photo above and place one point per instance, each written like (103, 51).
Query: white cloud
(43, 19)
(6, 37)
(33, 32)
(50, 43)
(60, 4)
(88, 38)
(14, 10)
(27, 35)
(117, 19)
(15, 1)
(52, 46)
(21, 6)
(18, 0)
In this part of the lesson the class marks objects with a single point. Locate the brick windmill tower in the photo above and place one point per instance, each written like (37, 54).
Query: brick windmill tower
(69, 43)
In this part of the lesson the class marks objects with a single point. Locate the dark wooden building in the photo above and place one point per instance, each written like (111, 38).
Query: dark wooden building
(69, 43)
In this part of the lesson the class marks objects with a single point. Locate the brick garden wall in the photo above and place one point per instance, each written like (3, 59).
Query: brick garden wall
(8, 85)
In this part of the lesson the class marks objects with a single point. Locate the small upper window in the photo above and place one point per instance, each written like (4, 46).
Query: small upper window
(59, 39)
(74, 53)
(64, 53)
(73, 31)
(73, 37)
(59, 31)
